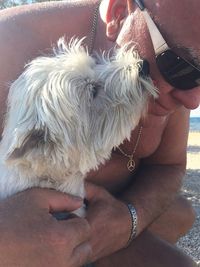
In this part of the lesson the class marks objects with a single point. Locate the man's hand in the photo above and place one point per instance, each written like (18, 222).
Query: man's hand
(31, 236)
(110, 222)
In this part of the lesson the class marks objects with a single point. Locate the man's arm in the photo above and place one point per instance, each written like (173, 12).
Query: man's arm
(26, 227)
(155, 186)
(159, 177)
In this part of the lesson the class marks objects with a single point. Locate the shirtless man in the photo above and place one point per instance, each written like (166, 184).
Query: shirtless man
(153, 188)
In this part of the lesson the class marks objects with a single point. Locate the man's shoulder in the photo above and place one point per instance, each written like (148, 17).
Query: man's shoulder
(29, 31)
(48, 20)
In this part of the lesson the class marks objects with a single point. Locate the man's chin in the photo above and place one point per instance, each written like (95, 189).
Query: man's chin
(158, 110)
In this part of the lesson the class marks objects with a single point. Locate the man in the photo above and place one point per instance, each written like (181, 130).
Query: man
(160, 156)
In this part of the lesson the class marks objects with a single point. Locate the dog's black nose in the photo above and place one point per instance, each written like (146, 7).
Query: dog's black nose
(144, 68)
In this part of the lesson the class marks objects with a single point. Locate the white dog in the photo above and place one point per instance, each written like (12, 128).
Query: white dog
(66, 113)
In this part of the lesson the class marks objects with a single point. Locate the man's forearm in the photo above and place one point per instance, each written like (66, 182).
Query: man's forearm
(153, 189)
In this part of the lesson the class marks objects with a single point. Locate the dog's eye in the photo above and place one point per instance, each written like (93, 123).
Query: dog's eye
(96, 88)
(93, 88)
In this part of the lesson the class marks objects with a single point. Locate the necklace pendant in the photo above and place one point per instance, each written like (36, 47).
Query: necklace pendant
(131, 165)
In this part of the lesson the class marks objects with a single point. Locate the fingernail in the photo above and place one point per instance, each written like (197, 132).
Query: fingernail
(76, 198)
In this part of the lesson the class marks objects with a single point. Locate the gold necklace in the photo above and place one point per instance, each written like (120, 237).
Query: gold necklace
(131, 162)
(93, 28)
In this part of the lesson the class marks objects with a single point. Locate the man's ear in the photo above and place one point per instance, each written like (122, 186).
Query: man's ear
(112, 13)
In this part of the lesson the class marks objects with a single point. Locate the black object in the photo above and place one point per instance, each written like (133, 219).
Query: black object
(177, 71)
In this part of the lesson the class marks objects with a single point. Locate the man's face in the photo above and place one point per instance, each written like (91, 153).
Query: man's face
(179, 23)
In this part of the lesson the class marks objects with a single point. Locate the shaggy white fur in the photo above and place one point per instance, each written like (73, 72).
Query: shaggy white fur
(66, 113)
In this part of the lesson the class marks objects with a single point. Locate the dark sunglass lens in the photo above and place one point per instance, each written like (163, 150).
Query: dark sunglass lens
(177, 71)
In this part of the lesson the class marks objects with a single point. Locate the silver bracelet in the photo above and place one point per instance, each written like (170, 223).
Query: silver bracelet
(134, 220)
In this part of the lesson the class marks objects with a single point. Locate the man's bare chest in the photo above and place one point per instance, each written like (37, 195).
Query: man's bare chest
(146, 138)
(114, 174)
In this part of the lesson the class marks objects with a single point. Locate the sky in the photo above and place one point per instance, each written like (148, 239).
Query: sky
(195, 112)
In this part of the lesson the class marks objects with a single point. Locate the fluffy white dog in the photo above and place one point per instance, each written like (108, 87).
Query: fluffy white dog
(66, 113)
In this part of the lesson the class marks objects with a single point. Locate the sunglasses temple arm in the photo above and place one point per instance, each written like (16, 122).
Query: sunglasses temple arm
(140, 4)
(158, 41)
(159, 44)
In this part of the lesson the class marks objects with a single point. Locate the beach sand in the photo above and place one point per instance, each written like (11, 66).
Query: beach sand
(191, 189)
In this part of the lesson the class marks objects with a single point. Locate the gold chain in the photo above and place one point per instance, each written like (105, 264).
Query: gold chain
(131, 162)
(93, 28)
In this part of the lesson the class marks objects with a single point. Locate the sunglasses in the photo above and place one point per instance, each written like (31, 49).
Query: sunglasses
(176, 71)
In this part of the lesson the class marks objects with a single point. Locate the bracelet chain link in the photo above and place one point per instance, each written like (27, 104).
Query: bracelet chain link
(134, 220)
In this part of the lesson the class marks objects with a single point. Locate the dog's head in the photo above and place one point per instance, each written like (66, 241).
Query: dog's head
(68, 111)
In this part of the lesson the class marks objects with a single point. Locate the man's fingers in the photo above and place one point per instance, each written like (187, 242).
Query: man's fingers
(63, 202)
(92, 191)
(82, 254)
(56, 201)
(77, 230)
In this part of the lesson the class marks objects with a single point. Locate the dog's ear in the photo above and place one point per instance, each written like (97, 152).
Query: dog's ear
(33, 139)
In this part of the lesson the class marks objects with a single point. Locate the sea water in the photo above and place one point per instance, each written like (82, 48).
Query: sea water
(195, 124)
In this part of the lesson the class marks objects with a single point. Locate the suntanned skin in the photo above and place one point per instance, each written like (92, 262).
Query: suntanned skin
(161, 154)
